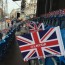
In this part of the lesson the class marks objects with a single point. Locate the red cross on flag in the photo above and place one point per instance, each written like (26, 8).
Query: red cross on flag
(41, 44)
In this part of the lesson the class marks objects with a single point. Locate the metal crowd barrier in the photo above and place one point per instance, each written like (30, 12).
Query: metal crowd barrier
(6, 42)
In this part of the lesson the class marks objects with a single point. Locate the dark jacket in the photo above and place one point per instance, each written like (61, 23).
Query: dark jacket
(1, 35)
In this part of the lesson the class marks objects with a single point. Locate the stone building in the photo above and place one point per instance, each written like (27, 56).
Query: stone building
(1, 13)
(1, 9)
(14, 12)
(30, 8)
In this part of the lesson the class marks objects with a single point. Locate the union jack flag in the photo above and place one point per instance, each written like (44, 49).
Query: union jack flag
(35, 27)
(41, 44)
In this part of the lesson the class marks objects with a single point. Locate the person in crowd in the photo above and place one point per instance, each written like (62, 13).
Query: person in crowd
(1, 35)
(12, 22)
(8, 24)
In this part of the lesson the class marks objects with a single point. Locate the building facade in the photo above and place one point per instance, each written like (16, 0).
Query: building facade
(14, 12)
(1, 9)
(1, 13)
(30, 8)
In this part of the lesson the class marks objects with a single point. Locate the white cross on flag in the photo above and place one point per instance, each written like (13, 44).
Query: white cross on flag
(41, 44)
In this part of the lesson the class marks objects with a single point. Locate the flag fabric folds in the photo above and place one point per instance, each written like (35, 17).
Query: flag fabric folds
(41, 44)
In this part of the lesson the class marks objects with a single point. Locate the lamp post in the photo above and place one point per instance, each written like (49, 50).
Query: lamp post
(46, 6)
(1, 14)
(51, 2)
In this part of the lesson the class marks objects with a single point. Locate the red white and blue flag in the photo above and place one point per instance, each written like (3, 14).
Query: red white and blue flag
(41, 44)
(35, 27)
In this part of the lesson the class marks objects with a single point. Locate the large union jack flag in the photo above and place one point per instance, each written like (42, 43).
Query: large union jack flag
(35, 27)
(41, 44)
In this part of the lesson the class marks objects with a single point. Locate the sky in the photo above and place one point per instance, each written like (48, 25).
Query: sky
(13, 5)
